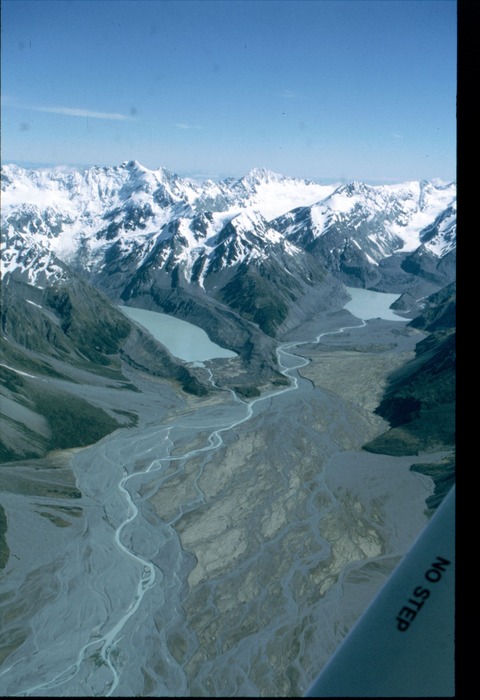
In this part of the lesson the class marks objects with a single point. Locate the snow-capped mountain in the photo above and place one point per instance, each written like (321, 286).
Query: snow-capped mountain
(249, 260)
(143, 235)
(29, 261)
(357, 227)
(72, 209)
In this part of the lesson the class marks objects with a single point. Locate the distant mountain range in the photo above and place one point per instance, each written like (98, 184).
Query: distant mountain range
(260, 245)
(247, 259)
(105, 220)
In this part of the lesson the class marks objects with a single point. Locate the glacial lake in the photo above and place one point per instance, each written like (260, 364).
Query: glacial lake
(183, 339)
(366, 305)
(191, 343)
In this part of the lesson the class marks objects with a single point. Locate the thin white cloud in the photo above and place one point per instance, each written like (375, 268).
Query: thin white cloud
(10, 101)
(182, 125)
(79, 112)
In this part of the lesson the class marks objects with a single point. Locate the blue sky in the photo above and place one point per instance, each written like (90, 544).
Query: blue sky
(323, 89)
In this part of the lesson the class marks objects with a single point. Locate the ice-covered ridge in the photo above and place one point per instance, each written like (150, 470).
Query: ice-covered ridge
(267, 192)
(400, 212)
(32, 262)
(137, 211)
(273, 195)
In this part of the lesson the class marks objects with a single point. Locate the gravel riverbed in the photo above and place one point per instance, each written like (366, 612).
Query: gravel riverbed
(223, 548)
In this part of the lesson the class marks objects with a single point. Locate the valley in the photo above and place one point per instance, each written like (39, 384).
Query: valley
(225, 548)
(187, 525)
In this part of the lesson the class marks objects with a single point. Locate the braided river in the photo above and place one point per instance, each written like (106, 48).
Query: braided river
(223, 548)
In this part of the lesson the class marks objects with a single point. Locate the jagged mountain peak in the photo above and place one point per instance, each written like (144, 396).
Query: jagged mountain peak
(440, 236)
(250, 228)
(352, 188)
(411, 196)
(96, 218)
(257, 176)
(249, 219)
(29, 261)
(132, 165)
(158, 175)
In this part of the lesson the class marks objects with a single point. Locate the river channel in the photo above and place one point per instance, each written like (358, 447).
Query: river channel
(223, 551)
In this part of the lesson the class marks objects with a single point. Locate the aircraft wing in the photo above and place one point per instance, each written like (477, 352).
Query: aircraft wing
(404, 643)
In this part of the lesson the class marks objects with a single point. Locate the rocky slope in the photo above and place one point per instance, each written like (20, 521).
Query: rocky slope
(420, 400)
(136, 233)
(55, 338)
(248, 260)
(389, 238)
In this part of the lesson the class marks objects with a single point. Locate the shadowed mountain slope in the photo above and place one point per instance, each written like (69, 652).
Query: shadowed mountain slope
(420, 402)
(56, 338)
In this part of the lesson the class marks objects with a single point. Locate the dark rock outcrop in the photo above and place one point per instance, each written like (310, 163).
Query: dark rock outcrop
(49, 336)
(420, 401)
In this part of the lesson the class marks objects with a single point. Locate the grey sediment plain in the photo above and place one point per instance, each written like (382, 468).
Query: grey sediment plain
(224, 548)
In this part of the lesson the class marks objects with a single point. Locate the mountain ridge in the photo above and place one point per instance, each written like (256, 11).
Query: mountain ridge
(250, 260)
(116, 219)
